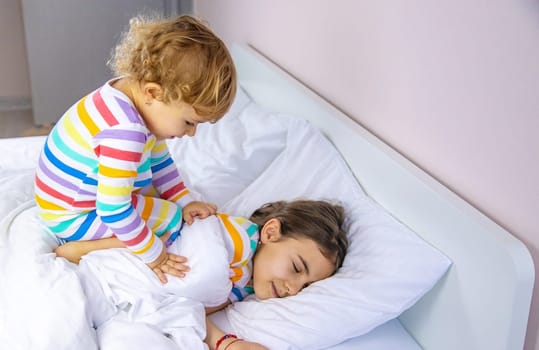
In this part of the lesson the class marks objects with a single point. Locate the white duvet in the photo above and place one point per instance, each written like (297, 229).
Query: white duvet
(48, 303)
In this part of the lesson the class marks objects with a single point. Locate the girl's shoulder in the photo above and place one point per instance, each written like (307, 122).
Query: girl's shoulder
(239, 225)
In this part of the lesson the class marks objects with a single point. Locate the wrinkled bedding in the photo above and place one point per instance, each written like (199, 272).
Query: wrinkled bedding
(48, 302)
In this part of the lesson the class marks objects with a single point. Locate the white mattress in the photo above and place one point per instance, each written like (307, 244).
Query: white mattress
(389, 336)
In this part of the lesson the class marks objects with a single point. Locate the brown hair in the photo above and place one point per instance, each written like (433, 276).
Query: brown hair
(183, 56)
(320, 221)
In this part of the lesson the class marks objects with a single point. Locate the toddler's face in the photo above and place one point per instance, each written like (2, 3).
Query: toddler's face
(284, 266)
(169, 120)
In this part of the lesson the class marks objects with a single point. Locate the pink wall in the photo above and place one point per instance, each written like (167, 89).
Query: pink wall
(453, 85)
(13, 63)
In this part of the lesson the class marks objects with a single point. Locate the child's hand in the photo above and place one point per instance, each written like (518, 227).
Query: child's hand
(242, 345)
(198, 209)
(168, 263)
(70, 251)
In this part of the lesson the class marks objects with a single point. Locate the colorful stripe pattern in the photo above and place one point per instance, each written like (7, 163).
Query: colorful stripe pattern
(242, 241)
(96, 160)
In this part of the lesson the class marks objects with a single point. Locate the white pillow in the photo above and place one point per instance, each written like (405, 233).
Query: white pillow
(274, 157)
(226, 157)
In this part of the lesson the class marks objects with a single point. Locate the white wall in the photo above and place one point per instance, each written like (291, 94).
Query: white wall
(68, 51)
(451, 84)
(13, 64)
(62, 75)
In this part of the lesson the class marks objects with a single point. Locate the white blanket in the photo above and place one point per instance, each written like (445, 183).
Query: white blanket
(48, 303)
(42, 302)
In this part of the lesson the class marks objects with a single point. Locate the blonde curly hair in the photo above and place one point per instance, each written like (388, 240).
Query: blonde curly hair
(183, 56)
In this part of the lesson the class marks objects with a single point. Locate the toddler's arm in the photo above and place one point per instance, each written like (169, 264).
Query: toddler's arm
(73, 251)
(170, 185)
(166, 177)
(172, 264)
(120, 150)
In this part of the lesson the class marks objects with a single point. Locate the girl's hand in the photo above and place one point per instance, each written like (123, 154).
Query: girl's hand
(198, 209)
(168, 263)
(241, 345)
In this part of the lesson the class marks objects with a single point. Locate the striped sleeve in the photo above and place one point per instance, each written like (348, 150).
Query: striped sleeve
(165, 176)
(244, 235)
(120, 151)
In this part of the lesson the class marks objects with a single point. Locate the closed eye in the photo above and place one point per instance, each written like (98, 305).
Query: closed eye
(305, 265)
(295, 267)
(188, 123)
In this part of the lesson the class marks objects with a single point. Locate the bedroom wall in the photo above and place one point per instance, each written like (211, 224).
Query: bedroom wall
(452, 85)
(15, 90)
(15, 87)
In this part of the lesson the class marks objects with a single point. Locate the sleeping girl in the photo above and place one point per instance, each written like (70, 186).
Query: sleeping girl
(278, 251)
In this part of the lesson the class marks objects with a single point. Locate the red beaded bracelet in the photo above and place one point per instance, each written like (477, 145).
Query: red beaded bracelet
(226, 336)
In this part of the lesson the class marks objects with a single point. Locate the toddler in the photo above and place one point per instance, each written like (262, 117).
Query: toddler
(105, 169)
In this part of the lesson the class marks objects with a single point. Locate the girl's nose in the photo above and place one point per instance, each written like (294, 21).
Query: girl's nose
(294, 287)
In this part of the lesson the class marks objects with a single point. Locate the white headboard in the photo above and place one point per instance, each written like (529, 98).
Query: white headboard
(483, 302)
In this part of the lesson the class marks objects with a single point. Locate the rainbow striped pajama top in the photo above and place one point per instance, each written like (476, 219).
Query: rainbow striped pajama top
(94, 162)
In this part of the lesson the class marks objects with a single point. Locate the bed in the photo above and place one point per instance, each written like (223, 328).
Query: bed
(466, 283)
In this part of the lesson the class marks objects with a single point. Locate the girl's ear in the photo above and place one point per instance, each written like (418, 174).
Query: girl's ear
(152, 91)
(271, 231)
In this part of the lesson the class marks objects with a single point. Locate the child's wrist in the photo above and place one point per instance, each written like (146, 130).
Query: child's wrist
(225, 341)
(229, 345)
